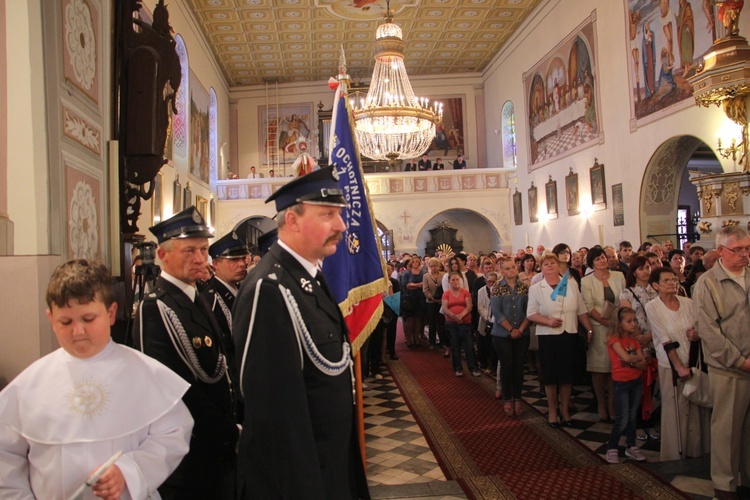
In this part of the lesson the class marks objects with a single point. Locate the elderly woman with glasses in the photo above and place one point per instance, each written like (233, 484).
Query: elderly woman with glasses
(556, 310)
(672, 318)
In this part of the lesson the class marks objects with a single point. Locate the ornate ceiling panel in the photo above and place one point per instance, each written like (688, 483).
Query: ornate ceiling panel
(299, 40)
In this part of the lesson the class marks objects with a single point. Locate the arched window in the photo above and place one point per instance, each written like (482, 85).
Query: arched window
(509, 136)
(180, 120)
(213, 140)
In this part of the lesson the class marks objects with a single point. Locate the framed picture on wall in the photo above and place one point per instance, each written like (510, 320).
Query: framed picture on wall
(550, 190)
(201, 204)
(618, 205)
(177, 195)
(187, 196)
(157, 199)
(517, 208)
(571, 193)
(598, 186)
(533, 206)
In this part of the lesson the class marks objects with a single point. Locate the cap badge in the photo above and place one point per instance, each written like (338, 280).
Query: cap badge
(306, 285)
(234, 236)
(196, 217)
(335, 173)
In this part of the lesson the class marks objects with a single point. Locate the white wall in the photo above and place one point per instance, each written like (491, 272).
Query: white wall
(207, 70)
(625, 154)
(27, 134)
(251, 100)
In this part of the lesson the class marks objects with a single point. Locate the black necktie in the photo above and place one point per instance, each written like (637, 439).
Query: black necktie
(324, 285)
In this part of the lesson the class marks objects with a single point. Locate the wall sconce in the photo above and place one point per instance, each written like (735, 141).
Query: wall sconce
(732, 151)
(587, 210)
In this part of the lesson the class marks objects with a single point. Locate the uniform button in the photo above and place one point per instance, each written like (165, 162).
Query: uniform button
(330, 335)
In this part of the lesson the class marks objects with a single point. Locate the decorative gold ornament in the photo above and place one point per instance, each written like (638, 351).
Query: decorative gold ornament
(732, 194)
(704, 227)
(708, 198)
(445, 248)
(729, 223)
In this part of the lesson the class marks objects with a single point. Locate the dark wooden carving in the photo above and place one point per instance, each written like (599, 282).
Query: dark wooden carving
(443, 234)
(149, 76)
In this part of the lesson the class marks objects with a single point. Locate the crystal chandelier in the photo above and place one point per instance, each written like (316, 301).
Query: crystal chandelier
(391, 122)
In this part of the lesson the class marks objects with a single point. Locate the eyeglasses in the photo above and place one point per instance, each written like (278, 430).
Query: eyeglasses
(738, 250)
(669, 280)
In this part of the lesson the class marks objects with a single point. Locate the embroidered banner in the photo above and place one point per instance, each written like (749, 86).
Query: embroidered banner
(356, 272)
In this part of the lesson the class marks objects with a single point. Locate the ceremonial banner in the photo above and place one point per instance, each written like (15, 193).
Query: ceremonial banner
(356, 272)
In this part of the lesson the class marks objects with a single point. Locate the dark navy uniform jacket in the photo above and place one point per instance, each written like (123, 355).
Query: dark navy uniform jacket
(215, 434)
(299, 438)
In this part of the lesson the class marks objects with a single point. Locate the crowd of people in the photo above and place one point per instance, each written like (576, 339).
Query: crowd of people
(198, 412)
(635, 324)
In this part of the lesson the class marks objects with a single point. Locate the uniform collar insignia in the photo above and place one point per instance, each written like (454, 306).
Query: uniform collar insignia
(306, 285)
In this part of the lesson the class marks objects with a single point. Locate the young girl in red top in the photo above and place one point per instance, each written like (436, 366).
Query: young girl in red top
(627, 367)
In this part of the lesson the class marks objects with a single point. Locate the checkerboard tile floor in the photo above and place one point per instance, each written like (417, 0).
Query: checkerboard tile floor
(401, 464)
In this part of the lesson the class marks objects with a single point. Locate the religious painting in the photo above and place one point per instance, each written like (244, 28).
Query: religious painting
(571, 193)
(157, 199)
(80, 43)
(562, 98)
(618, 205)
(187, 196)
(212, 211)
(83, 200)
(550, 190)
(201, 204)
(176, 195)
(517, 208)
(285, 132)
(666, 40)
(598, 187)
(449, 134)
(199, 143)
(533, 206)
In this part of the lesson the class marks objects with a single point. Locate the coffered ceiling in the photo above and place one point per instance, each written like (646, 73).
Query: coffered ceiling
(257, 41)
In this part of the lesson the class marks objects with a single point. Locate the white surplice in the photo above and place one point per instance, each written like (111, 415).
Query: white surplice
(64, 416)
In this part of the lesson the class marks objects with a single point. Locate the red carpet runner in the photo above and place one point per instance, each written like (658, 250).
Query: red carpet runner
(495, 456)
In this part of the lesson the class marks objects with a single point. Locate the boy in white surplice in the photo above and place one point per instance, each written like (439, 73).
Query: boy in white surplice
(70, 411)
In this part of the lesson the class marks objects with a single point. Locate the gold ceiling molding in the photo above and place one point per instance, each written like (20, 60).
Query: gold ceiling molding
(255, 41)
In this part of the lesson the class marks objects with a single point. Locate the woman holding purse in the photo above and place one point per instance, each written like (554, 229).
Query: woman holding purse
(672, 320)
(601, 293)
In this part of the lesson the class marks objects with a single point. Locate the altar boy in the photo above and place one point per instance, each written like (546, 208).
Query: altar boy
(76, 408)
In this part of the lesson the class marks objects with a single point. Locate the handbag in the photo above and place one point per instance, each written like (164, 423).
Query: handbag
(697, 388)
(408, 303)
(488, 327)
(608, 308)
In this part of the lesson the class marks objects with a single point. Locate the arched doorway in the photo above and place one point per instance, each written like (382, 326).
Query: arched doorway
(251, 228)
(386, 240)
(476, 233)
(669, 205)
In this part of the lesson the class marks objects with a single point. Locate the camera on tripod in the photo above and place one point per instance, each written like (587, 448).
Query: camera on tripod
(147, 271)
(147, 251)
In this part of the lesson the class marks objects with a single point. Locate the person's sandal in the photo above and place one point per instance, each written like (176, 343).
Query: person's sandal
(508, 409)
